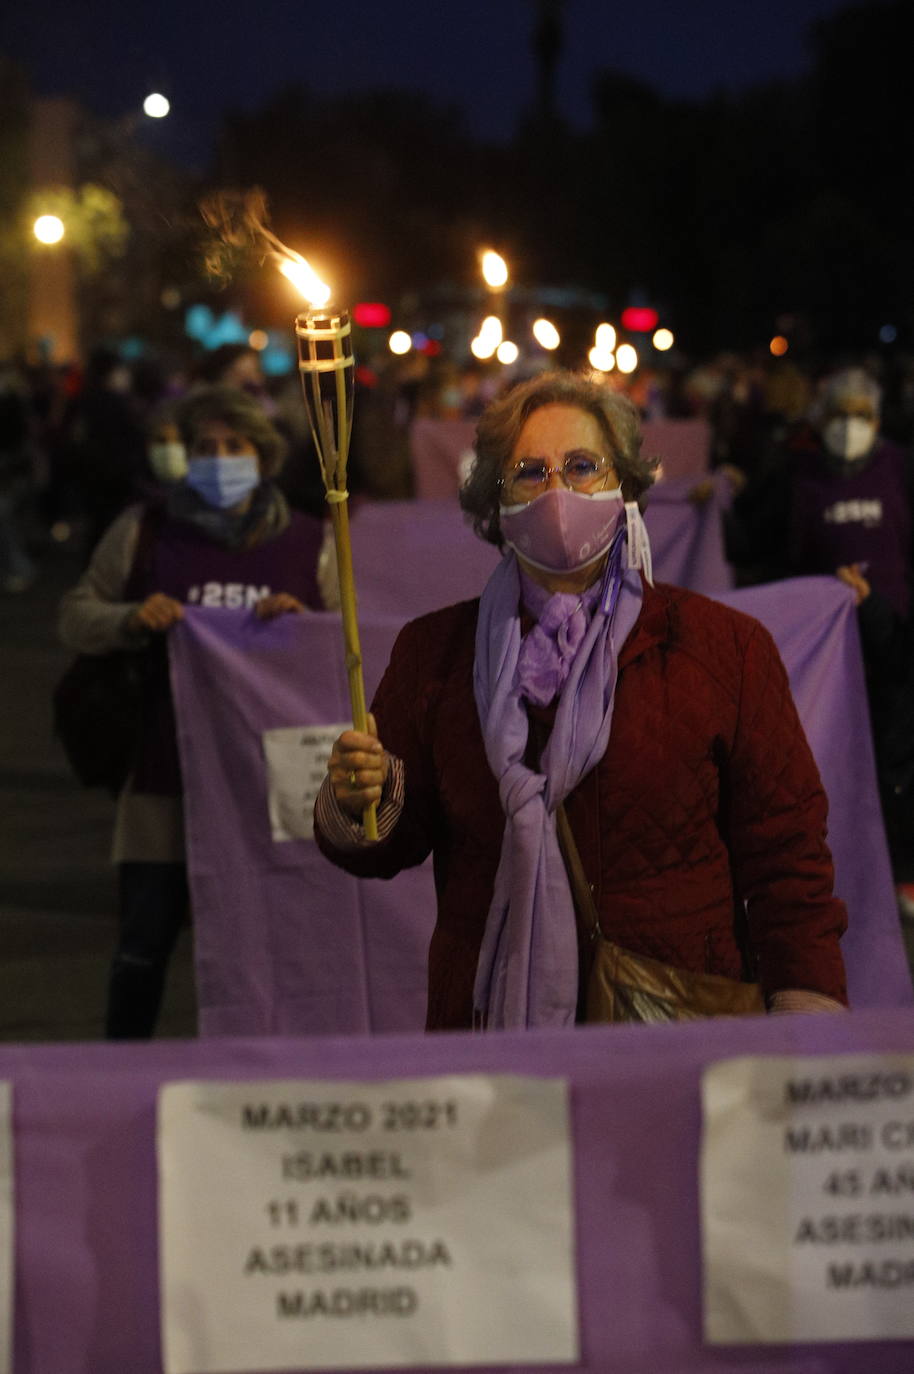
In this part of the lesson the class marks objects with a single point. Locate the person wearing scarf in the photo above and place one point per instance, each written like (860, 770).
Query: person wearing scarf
(662, 720)
(222, 536)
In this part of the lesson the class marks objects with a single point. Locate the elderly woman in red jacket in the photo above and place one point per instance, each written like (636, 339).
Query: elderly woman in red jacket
(663, 721)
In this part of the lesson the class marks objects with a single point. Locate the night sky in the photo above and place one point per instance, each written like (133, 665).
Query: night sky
(474, 54)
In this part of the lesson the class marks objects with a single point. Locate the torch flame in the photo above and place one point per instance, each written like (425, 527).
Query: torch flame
(302, 274)
(494, 269)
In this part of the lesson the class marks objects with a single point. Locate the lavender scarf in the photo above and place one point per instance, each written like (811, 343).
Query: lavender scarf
(527, 973)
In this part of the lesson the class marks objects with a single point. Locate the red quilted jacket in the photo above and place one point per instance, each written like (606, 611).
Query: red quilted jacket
(707, 789)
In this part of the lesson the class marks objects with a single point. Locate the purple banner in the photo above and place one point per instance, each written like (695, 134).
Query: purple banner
(87, 1283)
(414, 556)
(687, 537)
(439, 447)
(286, 943)
(683, 446)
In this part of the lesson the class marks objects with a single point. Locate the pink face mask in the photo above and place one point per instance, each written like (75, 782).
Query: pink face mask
(562, 530)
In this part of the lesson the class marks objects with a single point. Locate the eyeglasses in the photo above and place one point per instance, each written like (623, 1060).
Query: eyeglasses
(580, 471)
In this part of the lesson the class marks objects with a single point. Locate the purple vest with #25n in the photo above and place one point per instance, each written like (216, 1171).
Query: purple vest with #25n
(184, 564)
(861, 518)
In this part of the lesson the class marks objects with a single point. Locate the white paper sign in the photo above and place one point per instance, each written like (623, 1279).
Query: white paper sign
(807, 1183)
(349, 1225)
(6, 1229)
(296, 758)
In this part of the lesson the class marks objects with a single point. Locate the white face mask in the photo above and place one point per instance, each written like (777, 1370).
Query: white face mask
(168, 460)
(849, 437)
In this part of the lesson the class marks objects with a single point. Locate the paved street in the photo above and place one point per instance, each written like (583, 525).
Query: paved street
(56, 887)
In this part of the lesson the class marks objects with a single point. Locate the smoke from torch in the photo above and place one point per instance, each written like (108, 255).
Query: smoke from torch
(240, 228)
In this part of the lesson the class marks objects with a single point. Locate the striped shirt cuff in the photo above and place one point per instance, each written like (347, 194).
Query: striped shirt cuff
(798, 1000)
(347, 835)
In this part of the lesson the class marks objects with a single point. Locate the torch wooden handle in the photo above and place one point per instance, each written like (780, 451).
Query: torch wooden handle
(339, 514)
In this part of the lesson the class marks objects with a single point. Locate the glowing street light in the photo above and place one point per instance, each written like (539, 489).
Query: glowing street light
(663, 339)
(490, 331)
(778, 346)
(491, 328)
(507, 352)
(488, 339)
(626, 358)
(156, 105)
(399, 342)
(48, 229)
(494, 270)
(601, 359)
(546, 334)
(605, 338)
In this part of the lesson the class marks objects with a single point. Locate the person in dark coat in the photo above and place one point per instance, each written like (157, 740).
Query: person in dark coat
(663, 720)
(849, 500)
(851, 514)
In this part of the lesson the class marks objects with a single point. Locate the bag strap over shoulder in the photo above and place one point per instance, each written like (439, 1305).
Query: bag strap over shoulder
(585, 908)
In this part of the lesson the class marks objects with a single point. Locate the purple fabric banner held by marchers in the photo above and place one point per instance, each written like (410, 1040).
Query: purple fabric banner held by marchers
(414, 556)
(87, 1279)
(288, 944)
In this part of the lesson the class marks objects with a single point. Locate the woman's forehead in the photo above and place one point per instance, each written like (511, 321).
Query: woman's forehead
(214, 424)
(557, 428)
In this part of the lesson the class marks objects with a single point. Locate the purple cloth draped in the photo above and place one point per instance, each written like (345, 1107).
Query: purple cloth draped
(528, 964)
(687, 539)
(287, 944)
(284, 943)
(412, 557)
(87, 1275)
(438, 446)
(683, 446)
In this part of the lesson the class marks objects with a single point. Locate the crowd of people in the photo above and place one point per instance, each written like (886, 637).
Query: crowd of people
(172, 483)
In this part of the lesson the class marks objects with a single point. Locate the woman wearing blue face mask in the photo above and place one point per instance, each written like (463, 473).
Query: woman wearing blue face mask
(222, 536)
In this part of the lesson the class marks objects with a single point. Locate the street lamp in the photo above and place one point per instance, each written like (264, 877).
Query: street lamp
(156, 105)
(626, 357)
(546, 334)
(48, 229)
(494, 270)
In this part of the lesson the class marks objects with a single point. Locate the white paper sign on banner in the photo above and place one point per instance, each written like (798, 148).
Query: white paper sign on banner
(807, 1195)
(6, 1228)
(344, 1225)
(296, 758)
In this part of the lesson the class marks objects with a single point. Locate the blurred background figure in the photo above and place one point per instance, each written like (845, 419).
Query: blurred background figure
(17, 570)
(166, 453)
(104, 443)
(835, 497)
(234, 365)
(850, 497)
(223, 535)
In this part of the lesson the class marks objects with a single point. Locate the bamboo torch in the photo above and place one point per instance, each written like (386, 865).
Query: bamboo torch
(326, 365)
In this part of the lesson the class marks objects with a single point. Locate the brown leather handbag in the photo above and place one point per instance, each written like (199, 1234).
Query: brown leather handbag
(622, 986)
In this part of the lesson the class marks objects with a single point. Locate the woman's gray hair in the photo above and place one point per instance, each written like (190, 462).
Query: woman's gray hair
(501, 423)
(848, 385)
(240, 412)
